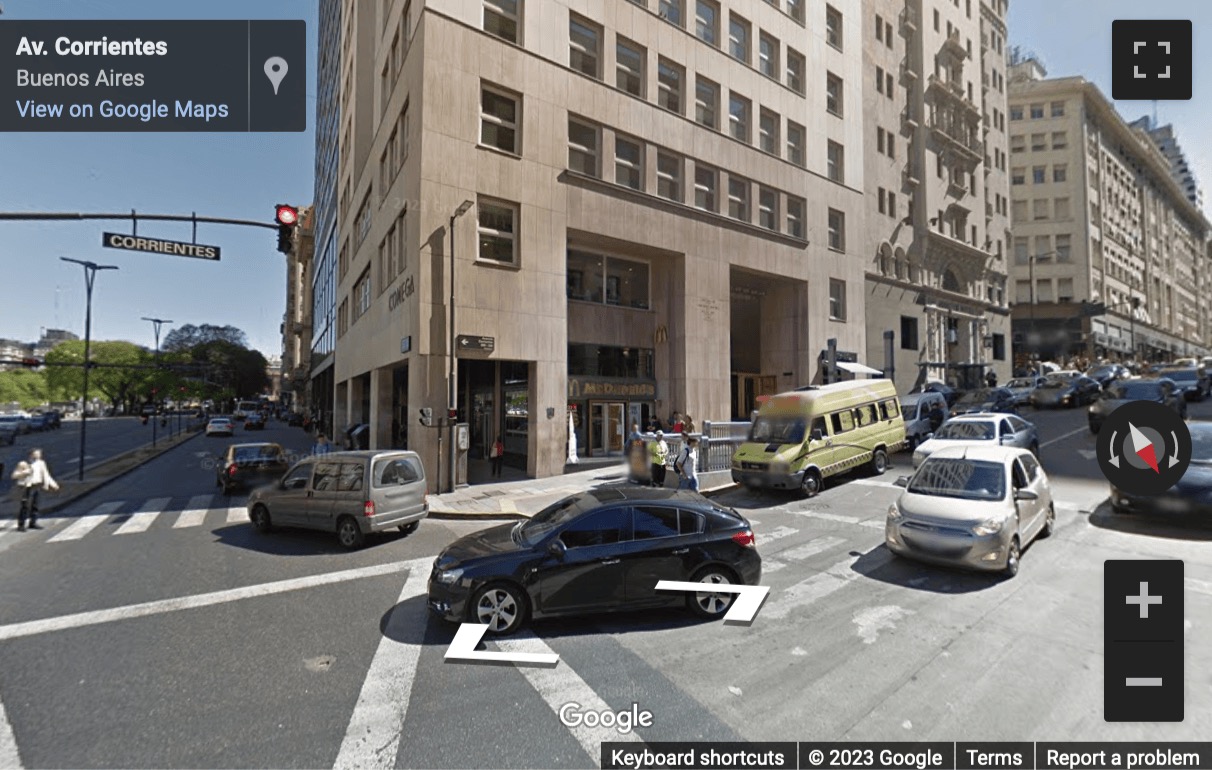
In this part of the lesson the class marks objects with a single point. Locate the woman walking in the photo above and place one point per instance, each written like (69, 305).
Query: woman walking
(497, 453)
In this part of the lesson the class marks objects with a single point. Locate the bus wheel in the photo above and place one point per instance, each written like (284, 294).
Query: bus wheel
(810, 486)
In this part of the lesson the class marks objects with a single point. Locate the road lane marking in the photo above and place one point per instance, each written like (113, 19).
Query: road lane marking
(237, 515)
(1199, 586)
(160, 606)
(141, 520)
(873, 482)
(812, 548)
(195, 512)
(372, 739)
(1064, 436)
(9, 756)
(561, 685)
(810, 590)
(87, 523)
(765, 538)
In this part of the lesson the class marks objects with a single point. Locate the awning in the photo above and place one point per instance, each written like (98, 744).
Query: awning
(855, 368)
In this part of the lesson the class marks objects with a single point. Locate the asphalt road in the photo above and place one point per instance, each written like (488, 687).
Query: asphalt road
(187, 640)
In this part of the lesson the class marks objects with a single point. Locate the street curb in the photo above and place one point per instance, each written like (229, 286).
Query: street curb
(453, 515)
(61, 503)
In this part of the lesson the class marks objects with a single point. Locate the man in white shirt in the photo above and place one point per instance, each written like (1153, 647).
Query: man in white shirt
(32, 482)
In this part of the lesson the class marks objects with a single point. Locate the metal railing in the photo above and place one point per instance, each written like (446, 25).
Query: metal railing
(718, 441)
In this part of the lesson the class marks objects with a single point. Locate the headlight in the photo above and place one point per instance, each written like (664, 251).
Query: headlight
(894, 512)
(990, 527)
(450, 576)
(781, 468)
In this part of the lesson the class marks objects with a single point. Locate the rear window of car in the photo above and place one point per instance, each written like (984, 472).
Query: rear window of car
(350, 479)
(396, 471)
(253, 453)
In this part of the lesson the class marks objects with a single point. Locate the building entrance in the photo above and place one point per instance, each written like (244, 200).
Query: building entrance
(494, 400)
(607, 427)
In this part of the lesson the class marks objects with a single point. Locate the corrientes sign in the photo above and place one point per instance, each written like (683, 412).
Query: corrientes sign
(159, 246)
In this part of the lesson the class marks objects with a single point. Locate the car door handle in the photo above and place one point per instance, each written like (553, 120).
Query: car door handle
(609, 561)
(681, 551)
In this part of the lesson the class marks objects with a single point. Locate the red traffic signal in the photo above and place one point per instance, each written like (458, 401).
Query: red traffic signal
(452, 413)
(286, 215)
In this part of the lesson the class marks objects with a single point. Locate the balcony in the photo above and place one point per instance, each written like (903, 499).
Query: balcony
(960, 137)
(909, 21)
(908, 178)
(908, 73)
(985, 82)
(909, 120)
(954, 46)
(950, 92)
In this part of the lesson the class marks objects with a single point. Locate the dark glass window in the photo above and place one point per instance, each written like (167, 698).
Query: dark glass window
(653, 521)
(326, 476)
(613, 280)
(610, 361)
(351, 477)
(601, 528)
(908, 333)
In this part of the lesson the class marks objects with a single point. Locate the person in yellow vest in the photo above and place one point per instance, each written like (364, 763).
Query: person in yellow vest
(658, 450)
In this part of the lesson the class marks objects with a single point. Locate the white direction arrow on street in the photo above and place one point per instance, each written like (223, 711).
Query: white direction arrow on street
(748, 601)
(463, 648)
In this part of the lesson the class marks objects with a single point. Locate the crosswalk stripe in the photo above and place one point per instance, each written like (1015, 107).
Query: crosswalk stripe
(561, 685)
(143, 518)
(775, 534)
(772, 565)
(819, 545)
(195, 512)
(237, 515)
(818, 586)
(87, 523)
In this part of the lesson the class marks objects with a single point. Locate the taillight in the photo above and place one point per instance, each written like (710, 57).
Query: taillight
(368, 508)
(231, 470)
(744, 538)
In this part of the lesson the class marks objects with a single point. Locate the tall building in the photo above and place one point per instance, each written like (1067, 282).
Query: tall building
(297, 320)
(1166, 140)
(646, 206)
(1098, 218)
(937, 193)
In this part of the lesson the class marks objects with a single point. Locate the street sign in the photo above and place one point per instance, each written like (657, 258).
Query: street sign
(476, 343)
(406, 344)
(159, 246)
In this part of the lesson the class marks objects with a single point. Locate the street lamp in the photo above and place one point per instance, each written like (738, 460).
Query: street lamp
(90, 275)
(463, 208)
(156, 322)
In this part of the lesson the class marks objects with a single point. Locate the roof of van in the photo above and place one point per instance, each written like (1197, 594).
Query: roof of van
(840, 393)
(363, 454)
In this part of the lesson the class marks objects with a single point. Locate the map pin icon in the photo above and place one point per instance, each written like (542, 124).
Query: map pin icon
(275, 70)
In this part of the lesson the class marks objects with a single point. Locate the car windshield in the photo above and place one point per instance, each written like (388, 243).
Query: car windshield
(778, 430)
(1180, 375)
(1201, 444)
(255, 453)
(1054, 382)
(959, 477)
(968, 430)
(978, 397)
(554, 516)
(1021, 382)
(1131, 391)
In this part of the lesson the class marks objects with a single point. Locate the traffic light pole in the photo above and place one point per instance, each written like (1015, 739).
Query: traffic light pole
(90, 275)
(156, 323)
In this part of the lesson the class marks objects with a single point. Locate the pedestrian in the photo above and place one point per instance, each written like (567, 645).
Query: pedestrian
(497, 453)
(32, 477)
(687, 465)
(635, 436)
(322, 446)
(677, 426)
(991, 379)
(658, 450)
(688, 425)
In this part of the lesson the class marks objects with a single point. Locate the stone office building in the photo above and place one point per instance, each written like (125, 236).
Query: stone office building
(645, 207)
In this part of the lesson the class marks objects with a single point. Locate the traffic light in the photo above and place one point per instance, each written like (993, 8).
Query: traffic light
(287, 218)
(426, 416)
(452, 413)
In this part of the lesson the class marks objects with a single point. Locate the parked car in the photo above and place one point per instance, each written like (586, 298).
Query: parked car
(598, 551)
(934, 386)
(1192, 381)
(219, 426)
(1161, 391)
(1060, 390)
(981, 429)
(349, 493)
(38, 423)
(148, 410)
(254, 421)
(250, 465)
(984, 400)
(1022, 387)
(1191, 496)
(923, 414)
(54, 418)
(8, 435)
(972, 507)
(18, 422)
(1105, 374)
(295, 420)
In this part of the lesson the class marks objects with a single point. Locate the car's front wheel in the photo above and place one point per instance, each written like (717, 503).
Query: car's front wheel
(711, 604)
(501, 607)
(1049, 522)
(1013, 555)
(810, 485)
(349, 534)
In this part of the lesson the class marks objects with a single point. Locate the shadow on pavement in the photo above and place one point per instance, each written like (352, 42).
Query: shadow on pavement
(1170, 526)
(287, 541)
(881, 564)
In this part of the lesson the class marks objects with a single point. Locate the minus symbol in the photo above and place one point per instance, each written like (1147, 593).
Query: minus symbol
(1143, 681)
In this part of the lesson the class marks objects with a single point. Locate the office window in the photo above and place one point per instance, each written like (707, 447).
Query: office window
(626, 283)
(669, 85)
(1020, 211)
(908, 333)
(1064, 289)
(582, 147)
(889, 92)
(768, 56)
(999, 347)
(1061, 208)
(584, 40)
(706, 102)
(1022, 292)
(499, 119)
(768, 132)
(1040, 208)
(498, 227)
(768, 208)
(1018, 175)
(1058, 109)
(671, 11)
(833, 27)
(795, 71)
(1043, 247)
(1016, 112)
(1038, 142)
(1037, 111)
(738, 117)
(628, 162)
(1037, 175)
(795, 143)
(833, 94)
(629, 66)
(795, 216)
(1018, 143)
(738, 198)
(882, 196)
(706, 180)
(738, 38)
(837, 230)
(891, 143)
(795, 9)
(501, 18)
(669, 176)
(835, 161)
(879, 80)
(879, 28)
(892, 205)
(363, 220)
(361, 294)
(707, 21)
(1022, 250)
(1064, 244)
(1059, 140)
(1060, 172)
(837, 300)
(879, 139)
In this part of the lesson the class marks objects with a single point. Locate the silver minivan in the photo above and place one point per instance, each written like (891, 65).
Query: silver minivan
(349, 493)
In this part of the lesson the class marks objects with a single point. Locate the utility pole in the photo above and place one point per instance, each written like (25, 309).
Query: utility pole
(90, 275)
(452, 410)
(156, 323)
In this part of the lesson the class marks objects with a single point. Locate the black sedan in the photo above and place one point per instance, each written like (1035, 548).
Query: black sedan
(934, 386)
(1191, 496)
(1061, 391)
(1106, 374)
(249, 466)
(254, 421)
(1191, 382)
(598, 551)
(1161, 391)
(985, 400)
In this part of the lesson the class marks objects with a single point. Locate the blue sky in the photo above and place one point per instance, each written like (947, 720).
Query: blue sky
(240, 176)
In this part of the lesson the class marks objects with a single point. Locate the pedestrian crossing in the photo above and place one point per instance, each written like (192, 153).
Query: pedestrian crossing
(152, 514)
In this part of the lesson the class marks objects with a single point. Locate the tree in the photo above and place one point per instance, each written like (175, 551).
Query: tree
(117, 383)
(25, 387)
(190, 336)
(231, 367)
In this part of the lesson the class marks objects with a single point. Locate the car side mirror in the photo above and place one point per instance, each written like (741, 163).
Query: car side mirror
(1004, 439)
(1025, 494)
(557, 548)
(817, 435)
(901, 481)
(929, 436)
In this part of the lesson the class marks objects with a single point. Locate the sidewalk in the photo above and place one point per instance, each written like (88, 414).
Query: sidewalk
(521, 499)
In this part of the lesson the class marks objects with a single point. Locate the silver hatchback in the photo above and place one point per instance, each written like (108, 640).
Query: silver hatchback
(350, 493)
